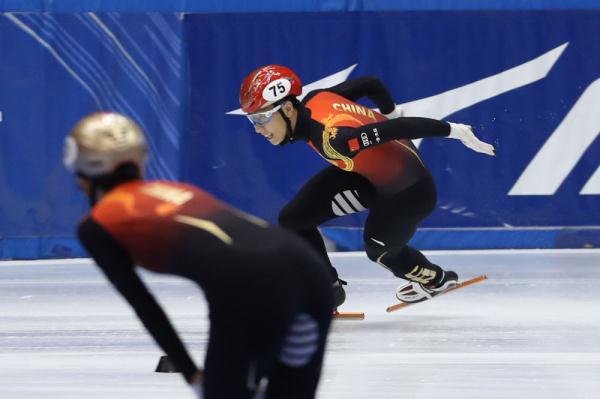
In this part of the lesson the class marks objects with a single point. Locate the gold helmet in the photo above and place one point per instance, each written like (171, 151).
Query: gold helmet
(101, 142)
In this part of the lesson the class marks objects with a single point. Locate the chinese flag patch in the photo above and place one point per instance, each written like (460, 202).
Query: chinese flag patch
(353, 144)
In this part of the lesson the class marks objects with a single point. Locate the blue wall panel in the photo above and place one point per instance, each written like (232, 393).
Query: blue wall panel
(523, 79)
(57, 68)
(212, 6)
(528, 81)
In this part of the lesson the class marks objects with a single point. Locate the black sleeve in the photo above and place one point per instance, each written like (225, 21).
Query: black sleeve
(118, 267)
(399, 128)
(370, 87)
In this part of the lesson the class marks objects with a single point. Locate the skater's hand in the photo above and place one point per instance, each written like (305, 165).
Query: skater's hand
(196, 384)
(465, 134)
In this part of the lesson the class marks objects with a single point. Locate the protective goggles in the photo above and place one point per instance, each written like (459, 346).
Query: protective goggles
(261, 118)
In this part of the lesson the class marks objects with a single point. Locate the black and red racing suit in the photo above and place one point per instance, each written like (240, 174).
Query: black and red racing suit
(265, 287)
(375, 166)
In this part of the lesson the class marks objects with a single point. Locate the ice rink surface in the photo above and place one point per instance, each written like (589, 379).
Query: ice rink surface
(532, 330)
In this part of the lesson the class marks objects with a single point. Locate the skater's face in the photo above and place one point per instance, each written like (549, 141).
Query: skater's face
(272, 126)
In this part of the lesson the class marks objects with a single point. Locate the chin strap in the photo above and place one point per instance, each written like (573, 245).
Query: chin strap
(289, 133)
(100, 185)
(96, 193)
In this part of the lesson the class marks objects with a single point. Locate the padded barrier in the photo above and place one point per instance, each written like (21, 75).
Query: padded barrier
(527, 80)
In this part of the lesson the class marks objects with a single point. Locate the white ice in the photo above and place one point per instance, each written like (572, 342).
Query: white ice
(530, 331)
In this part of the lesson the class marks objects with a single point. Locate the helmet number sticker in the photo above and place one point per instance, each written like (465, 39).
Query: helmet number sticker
(276, 90)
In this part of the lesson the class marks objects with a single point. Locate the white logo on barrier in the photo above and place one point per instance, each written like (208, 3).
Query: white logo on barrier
(561, 152)
(563, 149)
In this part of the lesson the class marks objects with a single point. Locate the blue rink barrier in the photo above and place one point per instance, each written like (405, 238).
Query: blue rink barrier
(41, 248)
(528, 81)
(532, 92)
(212, 6)
(351, 239)
(346, 239)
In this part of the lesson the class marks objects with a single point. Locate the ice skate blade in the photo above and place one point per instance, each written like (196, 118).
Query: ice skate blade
(349, 315)
(401, 305)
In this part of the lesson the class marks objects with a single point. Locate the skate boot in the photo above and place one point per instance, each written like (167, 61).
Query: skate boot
(412, 292)
(339, 295)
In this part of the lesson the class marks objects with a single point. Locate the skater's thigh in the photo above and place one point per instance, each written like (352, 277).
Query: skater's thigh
(393, 219)
(329, 194)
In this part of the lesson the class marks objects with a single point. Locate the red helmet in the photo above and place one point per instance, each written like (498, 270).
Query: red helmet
(267, 85)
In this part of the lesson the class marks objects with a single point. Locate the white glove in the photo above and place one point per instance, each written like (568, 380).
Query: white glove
(396, 113)
(465, 134)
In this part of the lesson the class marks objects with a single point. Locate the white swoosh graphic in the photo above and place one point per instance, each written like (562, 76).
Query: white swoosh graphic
(592, 187)
(563, 149)
(446, 103)
(55, 54)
